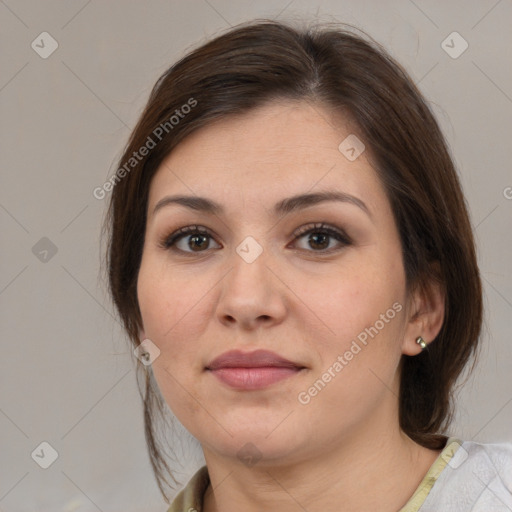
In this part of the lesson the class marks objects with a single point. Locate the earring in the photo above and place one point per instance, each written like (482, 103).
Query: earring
(421, 342)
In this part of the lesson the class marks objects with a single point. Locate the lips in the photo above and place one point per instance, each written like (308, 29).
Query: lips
(256, 359)
(253, 370)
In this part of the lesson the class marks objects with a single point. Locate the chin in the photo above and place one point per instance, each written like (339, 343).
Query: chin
(263, 444)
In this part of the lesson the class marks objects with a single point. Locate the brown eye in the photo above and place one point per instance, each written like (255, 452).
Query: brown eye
(189, 240)
(320, 236)
(198, 242)
(197, 239)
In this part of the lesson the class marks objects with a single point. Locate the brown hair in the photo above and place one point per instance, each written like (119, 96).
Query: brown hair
(264, 61)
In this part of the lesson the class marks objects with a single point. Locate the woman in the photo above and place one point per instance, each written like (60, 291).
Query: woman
(291, 255)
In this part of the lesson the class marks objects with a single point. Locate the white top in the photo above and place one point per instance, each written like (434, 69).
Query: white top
(467, 477)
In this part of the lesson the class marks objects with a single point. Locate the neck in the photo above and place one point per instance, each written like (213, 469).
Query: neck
(339, 478)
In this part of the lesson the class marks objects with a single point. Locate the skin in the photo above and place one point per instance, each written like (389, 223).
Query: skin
(295, 300)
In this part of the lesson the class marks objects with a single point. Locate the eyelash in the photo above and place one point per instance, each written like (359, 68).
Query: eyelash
(169, 242)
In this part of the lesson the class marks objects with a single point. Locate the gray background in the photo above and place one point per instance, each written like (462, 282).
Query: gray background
(66, 374)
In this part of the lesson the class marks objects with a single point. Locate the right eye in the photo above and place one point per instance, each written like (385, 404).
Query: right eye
(193, 239)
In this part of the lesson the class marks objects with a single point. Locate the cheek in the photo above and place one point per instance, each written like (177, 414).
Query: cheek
(165, 298)
(358, 296)
(155, 303)
(358, 359)
(364, 311)
(170, 317)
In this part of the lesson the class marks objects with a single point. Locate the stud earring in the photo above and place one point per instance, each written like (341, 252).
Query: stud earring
(421, 342)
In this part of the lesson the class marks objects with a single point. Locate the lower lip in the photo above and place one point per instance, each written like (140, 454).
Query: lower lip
(253, 378)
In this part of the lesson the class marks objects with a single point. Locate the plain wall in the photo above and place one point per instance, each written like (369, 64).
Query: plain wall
(67, 376)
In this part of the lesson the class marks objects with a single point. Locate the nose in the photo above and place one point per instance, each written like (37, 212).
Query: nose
(252, 295)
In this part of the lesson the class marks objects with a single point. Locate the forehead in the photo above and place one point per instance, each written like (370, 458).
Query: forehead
(280, 148)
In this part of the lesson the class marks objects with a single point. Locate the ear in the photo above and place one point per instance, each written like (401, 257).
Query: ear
(425, 315)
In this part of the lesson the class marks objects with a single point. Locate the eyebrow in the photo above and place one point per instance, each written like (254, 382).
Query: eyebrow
(283, 207)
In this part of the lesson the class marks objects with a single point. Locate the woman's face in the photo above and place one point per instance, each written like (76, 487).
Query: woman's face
(319, 284)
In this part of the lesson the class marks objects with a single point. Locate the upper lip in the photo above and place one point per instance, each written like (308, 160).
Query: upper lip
(256, 359)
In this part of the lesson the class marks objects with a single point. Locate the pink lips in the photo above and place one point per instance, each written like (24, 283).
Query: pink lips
(253, 370)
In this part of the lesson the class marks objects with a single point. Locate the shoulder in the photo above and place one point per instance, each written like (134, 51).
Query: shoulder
(477, 477)
(495, 455)
(190, 498)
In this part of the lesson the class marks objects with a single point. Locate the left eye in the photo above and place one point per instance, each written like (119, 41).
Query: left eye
(197, 238)
(321, 235)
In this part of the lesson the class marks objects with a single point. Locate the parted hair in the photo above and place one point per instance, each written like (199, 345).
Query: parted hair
(347, 72)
